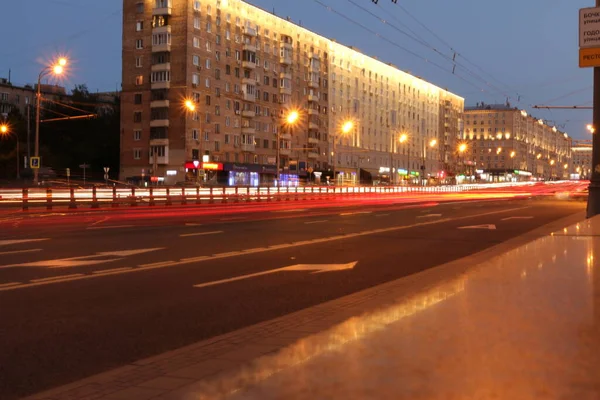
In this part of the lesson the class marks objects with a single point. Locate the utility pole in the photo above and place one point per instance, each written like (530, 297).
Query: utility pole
(593, 206)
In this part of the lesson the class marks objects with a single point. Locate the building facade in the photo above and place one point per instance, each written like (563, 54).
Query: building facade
(581, 167)
(505, 142)
(207, 86)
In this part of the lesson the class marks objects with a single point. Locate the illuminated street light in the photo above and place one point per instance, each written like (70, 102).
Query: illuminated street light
(591, 128)
(552, 162)
(4, 129)
(403, 138)
(566, 166)
(539, 156)
(432, 143)
(292, 117)
(462, 148)
(57, 68)
(347, 126)
(513, 154)
(499, 150)
(290, 120)
(190, 105)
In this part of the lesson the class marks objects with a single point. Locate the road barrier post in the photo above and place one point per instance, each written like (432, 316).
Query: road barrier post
(278, 193)
(72, 203)
(151, 198)
(236, 198)
(224, 196)
(248, 194)
(268, 193)
(183, 198)
(198, 195)
(114, 197)
(168, 202)
(94, 198)
(133, 201)
(48, 199)
(25, 199)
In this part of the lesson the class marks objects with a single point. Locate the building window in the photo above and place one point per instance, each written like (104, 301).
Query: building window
(139, 8)
(138, 62)
(196, 5)
(207, 100)
(217, 110)
(137, 98)
(226, 139)
(137, 154)
(139, 80)
(195, 134)
(217, 128)
(139, 26)
(137, 116)
(196, 60)
(217, 145)
(139, 44)
(196, 22)
(195, 79)
(227, 121)
(207, 64)
(196, 42)
(137, 135)
(207, 82)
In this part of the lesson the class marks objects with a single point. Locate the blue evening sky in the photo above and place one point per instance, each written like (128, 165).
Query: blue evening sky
(525, 50)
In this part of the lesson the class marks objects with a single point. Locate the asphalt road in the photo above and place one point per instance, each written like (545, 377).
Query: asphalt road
(81, 298)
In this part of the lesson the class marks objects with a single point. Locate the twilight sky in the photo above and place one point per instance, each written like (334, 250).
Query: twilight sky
(525, 50)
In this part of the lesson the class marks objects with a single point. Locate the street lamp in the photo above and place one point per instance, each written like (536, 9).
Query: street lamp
(347, 126)
(404, 139)
(56, 69)
(290, 120)
(591, 128)
(432, 144)
(189, 105)
(462, 148)
(4, 132)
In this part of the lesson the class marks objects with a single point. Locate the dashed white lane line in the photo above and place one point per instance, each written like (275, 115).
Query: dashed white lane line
(6, 285)
(19, 251)
(429, 216)
(109, 227)
(100, 221)
(355, 213)
(316, 222)
(19, 241)
(110, 271)
(201, 234)
(146, 267)
(54, 278)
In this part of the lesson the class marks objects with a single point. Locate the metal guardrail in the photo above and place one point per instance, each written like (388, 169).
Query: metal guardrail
(113, 197)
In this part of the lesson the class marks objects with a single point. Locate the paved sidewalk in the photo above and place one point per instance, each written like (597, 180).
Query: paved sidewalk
(504, 323)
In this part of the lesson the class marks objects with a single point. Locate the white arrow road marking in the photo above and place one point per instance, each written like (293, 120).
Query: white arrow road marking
(509, 218)
(315, 268)
(490, 227)
(81, 261)
(9, 242)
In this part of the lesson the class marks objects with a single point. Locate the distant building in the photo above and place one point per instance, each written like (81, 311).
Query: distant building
(581, 167)
(20, 97)
(506, 142)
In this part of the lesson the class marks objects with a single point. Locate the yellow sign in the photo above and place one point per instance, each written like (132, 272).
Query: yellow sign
(589, 57)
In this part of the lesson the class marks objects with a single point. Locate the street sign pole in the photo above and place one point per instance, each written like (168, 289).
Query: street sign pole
(106, 169)
(589, 40)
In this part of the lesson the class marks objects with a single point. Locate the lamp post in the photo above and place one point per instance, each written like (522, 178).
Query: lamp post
(5, 131)
(404, 139)
(57, 69)
(432, 144)
(347, 126)
(461, 150)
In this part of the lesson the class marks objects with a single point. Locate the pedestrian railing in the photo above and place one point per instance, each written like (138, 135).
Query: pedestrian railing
(169, 196)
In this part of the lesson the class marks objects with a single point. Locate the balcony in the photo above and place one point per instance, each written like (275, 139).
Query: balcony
(162, 29)
(248, 130)
(250, 47)
(159, 142)
(313, 84)
(313, 155)
(287, 45)
(286, 60)
(250, 31)
(159, 48)
(314, 56)
(251, 97)
(162, 11)
(312, 111)
(312, 140)
(286, 136)
(312, 97)
(161, 67)
(249, 64)
(248, 81)
(160, 85)
(248, 147)
(160, 160)
(313, 126)
(159, 123)
(285, 152)
(159, 104)
(248, 113)
(284, 90)
(285, 75)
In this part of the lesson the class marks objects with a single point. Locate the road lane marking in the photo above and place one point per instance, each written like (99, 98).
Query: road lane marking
(355, 213)
(157, 264)
(100, 221)
(19, 251)
(429, 216)
(76, 277)
(381, 215)
(53, 278)
(233, 218)
(110, 271)
(509, 218)
(109, 227)
(201, 234)
(316, 222)
(489, 227)
(19, 241)
(5, 285)
(314, 268)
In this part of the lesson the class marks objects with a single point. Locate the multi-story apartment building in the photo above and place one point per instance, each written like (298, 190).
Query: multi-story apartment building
(21, 97)
(581, 167)
(504, 141)
(207, 86)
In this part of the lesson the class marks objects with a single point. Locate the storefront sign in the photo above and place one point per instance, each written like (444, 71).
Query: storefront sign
(212, 166)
